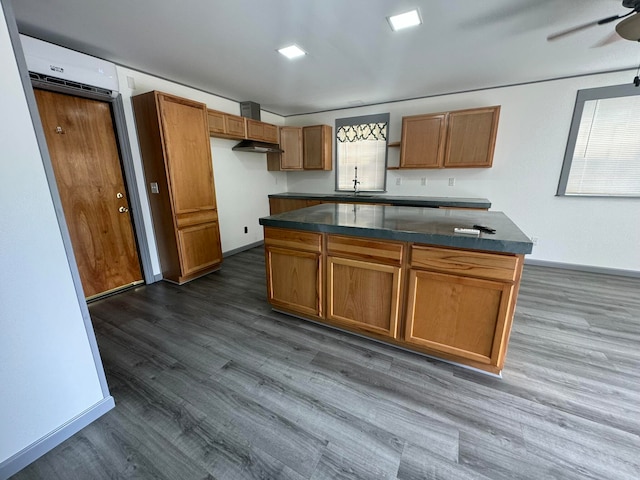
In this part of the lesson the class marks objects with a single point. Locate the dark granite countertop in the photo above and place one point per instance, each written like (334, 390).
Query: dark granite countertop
(432, 202)
(408, 224)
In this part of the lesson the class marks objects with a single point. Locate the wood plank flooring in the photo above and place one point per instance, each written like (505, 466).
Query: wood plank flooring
(210, 383)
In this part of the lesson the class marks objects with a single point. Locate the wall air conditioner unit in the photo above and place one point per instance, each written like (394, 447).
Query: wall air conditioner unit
(52, 64)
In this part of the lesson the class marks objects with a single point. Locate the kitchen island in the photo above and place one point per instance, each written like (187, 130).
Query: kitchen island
(401, 275)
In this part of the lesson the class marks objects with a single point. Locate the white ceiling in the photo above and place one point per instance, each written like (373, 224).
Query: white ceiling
(228, 47)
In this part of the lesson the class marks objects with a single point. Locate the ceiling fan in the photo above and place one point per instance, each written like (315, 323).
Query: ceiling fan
(629, 28)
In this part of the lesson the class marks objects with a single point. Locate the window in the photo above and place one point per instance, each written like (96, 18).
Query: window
(362, 142)
(603, 150)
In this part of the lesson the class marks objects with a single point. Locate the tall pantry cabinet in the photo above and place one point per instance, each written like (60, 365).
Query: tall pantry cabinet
(176, 153)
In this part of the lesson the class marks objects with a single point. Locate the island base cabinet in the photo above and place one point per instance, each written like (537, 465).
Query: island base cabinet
(450, 303)
(457, 315)
(363, 295)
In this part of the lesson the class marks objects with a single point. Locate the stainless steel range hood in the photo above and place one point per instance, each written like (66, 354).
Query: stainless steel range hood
(252, 110)
(257, 147)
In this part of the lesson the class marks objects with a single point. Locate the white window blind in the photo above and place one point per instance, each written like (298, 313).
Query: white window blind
(606, 155)
(362, 142)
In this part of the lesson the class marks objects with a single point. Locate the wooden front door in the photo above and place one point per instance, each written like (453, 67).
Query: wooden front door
(84, 153)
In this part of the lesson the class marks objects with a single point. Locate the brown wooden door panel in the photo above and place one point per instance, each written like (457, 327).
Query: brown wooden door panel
(294, 280)
(317, 144)
(291, 143)
(457, 315)
(423, 141)
(188, 153)
(199, 247)
(363, 295)
(471, 137)
(235, 126)
(84, 153)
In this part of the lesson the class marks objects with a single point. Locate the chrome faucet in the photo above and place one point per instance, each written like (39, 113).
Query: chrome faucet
(356, 182)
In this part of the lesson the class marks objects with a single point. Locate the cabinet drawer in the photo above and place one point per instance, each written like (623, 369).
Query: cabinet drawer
(299, 240)
(461, 262)
(387, 252)
(195, 218)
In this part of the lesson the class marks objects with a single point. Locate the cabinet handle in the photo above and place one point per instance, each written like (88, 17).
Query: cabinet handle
(123, 209)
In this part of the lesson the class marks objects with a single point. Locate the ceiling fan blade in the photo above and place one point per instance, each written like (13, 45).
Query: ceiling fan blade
(611, 38)
(584, 26)
(569, 31)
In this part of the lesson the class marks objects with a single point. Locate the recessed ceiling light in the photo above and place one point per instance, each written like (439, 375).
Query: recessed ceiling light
(292, 51)
(404, 20)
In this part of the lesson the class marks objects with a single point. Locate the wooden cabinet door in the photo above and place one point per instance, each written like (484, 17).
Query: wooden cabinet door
(270, 133)
(317, 141)
(263, 132)
(294, 280)
(188, 154)
(471, 137)
(291, 143)
(199, 247)
(216, 122)
(363, 295)
(423, 141)
(457, 315)
(235, 126)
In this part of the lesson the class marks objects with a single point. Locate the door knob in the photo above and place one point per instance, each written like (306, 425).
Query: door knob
(123, 209)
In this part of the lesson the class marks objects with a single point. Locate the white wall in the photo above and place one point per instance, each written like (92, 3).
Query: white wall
(532, 136)
(241, 179)
(47, 372)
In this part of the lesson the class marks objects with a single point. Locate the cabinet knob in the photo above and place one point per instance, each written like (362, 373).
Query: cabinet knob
(123, 209)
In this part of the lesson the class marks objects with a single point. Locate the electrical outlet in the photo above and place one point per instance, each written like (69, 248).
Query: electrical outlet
(246, 230)
(452, 181)
(399, 181)
(154, 187)
(535, 240)
(423, 181)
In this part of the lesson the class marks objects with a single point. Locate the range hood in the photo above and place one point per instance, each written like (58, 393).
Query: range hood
(252, 110)
(257, 147)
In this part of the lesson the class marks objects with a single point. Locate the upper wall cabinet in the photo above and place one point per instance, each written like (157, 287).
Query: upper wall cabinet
(459, 139)
(316, 143)
(263, 132)
(226, 125)
(305, 148)
(291, 157)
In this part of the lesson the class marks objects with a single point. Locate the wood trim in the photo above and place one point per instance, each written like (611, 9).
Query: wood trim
(463, 262)
(197, 217)
(296, 239)
(365, 249)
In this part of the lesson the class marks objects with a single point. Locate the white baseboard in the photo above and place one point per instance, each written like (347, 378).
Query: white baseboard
(29, 454)
(583, 268)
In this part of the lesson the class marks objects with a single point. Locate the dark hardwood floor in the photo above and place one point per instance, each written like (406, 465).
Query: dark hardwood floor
(210, 383)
